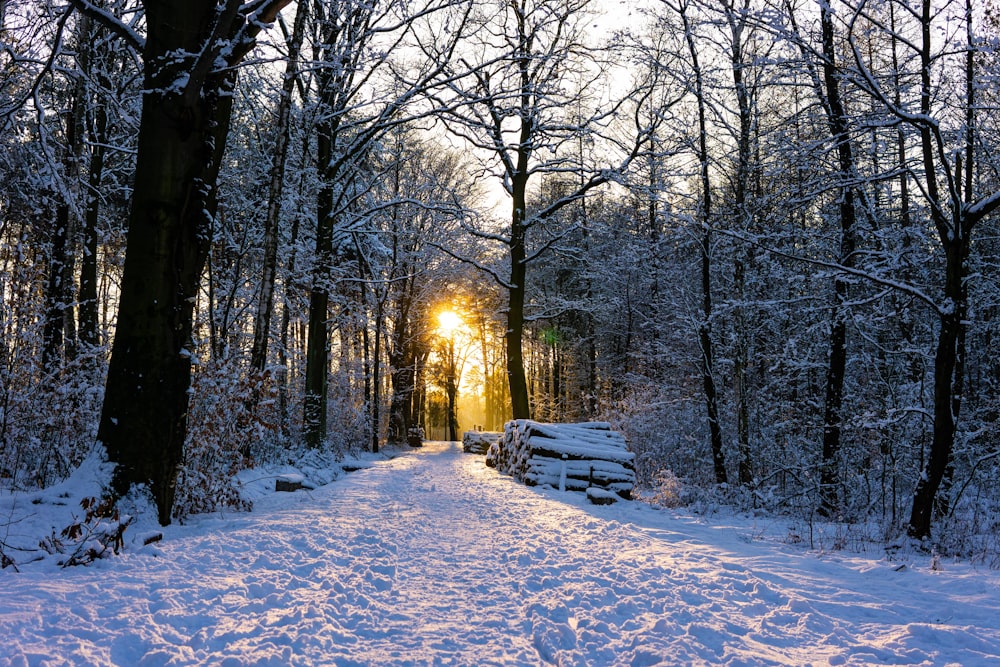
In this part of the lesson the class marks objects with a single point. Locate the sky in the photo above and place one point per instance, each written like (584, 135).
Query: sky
(428, 557)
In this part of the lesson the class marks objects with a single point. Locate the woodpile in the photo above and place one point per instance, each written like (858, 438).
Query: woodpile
(572, 457)
(478, 442)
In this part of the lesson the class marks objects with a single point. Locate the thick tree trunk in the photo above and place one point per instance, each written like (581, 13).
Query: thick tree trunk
(317, 362)
(144, 421)
(318, 344)
(182, 132)
(520, 406)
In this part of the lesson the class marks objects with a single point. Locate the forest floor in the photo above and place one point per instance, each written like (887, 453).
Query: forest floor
(431, 558)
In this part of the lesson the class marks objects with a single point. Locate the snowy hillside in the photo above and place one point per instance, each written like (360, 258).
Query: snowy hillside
(431, 558)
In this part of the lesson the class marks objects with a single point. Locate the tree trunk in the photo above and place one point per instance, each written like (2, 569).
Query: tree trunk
(89, 324)
(59, 331)
(402, 372)
(948, 377)
(520, 406)
(265, 298)
(836, 370)
(737, 18)
(182, 132)
(955, 235)
(705, 328)
(143, 424)
(451, 391)
(56, 310)
(283, 373)
(318, 345)
(317, 358)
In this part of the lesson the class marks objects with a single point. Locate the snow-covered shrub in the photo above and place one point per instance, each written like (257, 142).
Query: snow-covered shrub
(48, 412)
(668, 491)
(48, 422)
(664, 433)
(223, 427)
(97, 534)
(347, 423)
(972, 530)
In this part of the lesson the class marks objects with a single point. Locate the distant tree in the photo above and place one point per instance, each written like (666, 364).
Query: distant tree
(521, 78)
(362, 93)
(427, 188)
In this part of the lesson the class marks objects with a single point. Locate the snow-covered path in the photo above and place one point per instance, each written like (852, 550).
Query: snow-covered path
(433, 559)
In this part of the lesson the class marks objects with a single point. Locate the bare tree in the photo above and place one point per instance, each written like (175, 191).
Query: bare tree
(265, 299)
(525, 70)
(190, 52)
(362, 94)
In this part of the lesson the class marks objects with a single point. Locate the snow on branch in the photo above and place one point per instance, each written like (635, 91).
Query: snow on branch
(915, 292)
(111, 22)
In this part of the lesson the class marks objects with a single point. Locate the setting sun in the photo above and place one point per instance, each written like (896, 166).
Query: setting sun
(449, 322)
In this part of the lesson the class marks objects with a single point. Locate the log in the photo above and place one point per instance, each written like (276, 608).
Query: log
(291, 482)
(600, 496)
(570, 456)
(285, 485)
(479, 442)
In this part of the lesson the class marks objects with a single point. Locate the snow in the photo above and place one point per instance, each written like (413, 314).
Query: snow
(478, 442)
(431, 558)
(574, 456)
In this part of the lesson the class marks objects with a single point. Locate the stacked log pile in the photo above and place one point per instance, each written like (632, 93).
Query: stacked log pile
(573, 457)
(478, 442)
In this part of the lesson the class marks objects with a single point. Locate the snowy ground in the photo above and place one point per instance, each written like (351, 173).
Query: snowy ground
(431, 558)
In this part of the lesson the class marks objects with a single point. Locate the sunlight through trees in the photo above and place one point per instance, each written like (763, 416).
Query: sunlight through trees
(760, 238)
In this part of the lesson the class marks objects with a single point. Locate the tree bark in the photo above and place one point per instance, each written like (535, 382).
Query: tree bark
(520, 406)
(836, 369)
(182, 132)
(265, 298)
(705, 327)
